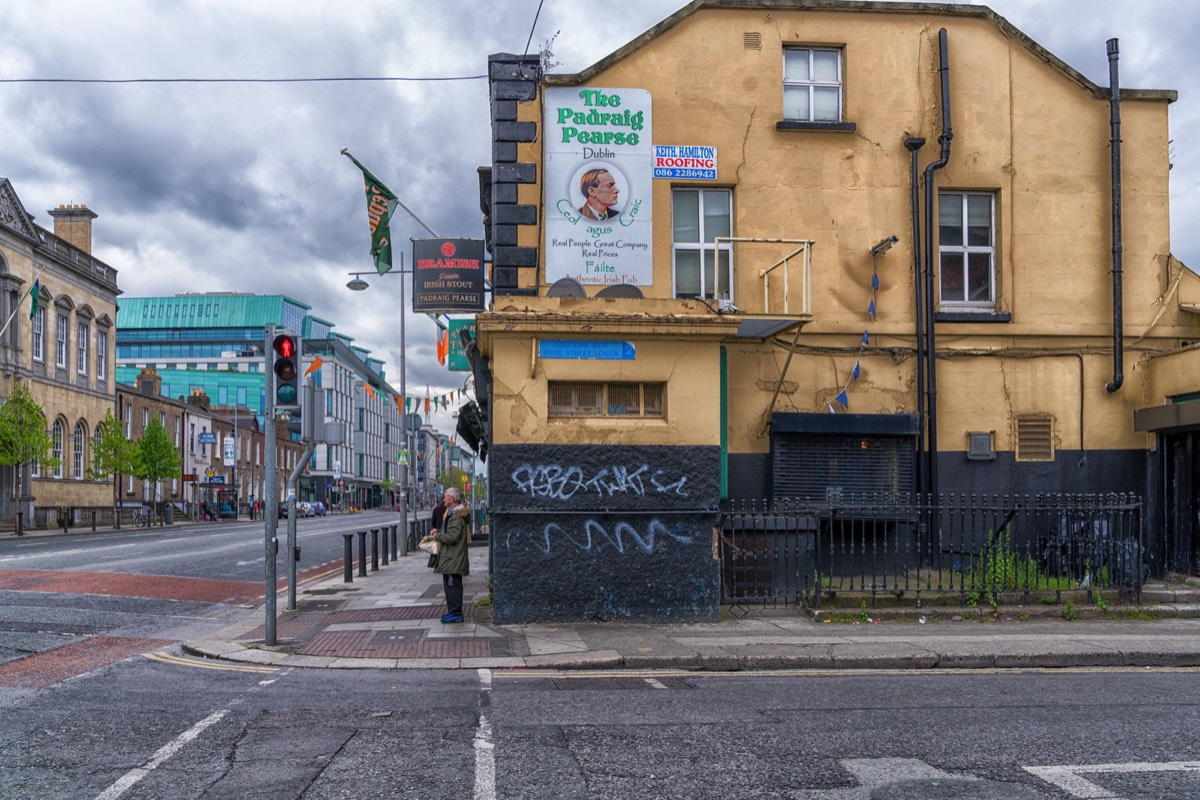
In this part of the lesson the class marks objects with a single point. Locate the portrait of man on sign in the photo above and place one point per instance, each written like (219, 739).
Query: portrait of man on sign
(600, 193)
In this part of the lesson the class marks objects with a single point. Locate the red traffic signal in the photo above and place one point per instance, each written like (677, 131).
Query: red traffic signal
(287, 371)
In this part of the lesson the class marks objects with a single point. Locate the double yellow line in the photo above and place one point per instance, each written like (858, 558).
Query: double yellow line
(167, 658)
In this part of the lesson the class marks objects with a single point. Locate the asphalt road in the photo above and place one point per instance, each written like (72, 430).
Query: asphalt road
(98, 701)
(166, 726)
(229, 551)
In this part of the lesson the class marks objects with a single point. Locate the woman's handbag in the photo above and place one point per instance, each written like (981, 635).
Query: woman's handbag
(431, 546)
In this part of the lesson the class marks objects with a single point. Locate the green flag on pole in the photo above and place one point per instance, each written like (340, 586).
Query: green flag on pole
(380, 205)
(35, 296)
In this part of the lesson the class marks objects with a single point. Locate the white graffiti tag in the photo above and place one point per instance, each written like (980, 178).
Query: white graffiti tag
(562, 483)
(592, 536)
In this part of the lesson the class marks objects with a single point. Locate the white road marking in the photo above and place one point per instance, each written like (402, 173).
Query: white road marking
(655, 683)
(485, 749)
(129, 779)
(1066, 777)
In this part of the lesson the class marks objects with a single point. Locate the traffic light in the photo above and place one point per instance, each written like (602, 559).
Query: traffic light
(287, 372)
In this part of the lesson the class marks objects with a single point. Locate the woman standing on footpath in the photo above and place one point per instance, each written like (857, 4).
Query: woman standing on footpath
(453, 563)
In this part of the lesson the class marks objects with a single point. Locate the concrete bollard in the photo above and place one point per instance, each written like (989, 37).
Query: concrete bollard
(374, 549)
(348, 558)
(362, 553)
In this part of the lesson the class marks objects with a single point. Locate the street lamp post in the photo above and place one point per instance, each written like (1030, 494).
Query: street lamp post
(359, 285)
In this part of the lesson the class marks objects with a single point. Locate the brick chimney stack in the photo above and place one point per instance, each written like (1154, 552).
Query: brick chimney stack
(73, 223)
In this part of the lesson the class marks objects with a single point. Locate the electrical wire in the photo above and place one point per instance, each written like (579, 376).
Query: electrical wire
(241, 80)
(532, 28)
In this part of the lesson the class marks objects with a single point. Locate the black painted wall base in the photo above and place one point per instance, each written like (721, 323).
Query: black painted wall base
(579, 568)
(600, 532)
(1071, 472)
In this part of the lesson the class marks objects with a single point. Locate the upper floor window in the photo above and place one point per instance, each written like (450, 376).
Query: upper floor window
(812, 84)
(702, 269)
(967, 249)
(81, 348)
(101, 355)
(60, 352)
(39, 335)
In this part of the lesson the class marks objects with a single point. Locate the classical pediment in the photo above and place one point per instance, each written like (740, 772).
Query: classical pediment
(13, 215)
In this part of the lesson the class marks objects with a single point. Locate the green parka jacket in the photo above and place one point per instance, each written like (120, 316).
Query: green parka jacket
(453, 558)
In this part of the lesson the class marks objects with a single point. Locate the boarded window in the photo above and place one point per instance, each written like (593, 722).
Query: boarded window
(1035, 438)
(606, 399)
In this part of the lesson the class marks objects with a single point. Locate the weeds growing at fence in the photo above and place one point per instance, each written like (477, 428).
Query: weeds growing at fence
(999, 567)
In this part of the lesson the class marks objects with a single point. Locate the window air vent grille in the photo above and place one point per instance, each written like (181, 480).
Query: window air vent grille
(752, 40)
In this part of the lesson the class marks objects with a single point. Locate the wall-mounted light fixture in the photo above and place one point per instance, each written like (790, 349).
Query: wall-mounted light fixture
(884, 246)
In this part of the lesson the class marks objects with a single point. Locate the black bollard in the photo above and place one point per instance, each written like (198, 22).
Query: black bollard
(386, 549)
(362, 553)
(394, 553)
(374, 549)
(348, 558)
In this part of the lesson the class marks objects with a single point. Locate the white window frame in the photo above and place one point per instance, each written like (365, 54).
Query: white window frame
(810, 85)
(82, 335)
(704, 246)
(39, 334)
(95, 449)
(56, 451)
(60, 342)
(101, 355)
(963, 253)
(80, 451)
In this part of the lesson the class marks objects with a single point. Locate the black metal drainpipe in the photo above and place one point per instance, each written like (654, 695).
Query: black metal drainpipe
(930, 251)
(1114, 105)
(915, 143)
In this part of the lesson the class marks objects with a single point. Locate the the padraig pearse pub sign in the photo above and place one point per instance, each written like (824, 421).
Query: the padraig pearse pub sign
(448, 275)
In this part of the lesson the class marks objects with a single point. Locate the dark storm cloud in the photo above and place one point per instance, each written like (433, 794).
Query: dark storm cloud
(241, 187)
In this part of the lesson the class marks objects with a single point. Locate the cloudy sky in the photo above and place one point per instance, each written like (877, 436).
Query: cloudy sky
(239, 186)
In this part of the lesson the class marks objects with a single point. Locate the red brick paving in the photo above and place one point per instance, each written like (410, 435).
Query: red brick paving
(161, 587)
(295, 627)
(391, 614)
(363, 644)
(51, 666)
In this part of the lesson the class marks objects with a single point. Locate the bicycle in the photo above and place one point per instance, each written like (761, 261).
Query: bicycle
(142, 518)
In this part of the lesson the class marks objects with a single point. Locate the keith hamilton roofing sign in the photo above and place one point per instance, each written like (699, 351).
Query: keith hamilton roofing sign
(598, 185)
(684, 162)
(448, 275)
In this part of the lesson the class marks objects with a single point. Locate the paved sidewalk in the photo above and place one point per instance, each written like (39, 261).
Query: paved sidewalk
(391, 619)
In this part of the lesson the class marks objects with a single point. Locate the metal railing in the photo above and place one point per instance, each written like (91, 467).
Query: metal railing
(963, 548)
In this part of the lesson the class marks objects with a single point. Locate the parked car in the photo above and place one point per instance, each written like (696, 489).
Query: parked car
(305, 509)
(319, 508)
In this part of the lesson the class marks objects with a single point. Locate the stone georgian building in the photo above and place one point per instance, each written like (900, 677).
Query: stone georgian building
(64, 353)
(795, 248)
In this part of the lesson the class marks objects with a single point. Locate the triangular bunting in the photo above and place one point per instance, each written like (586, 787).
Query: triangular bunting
(843, 399)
